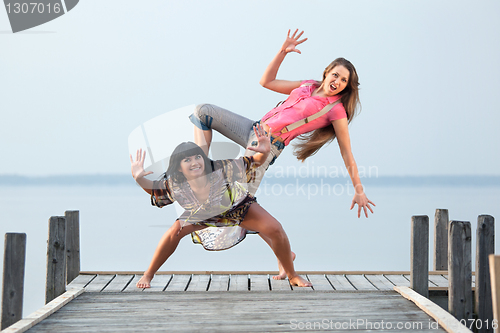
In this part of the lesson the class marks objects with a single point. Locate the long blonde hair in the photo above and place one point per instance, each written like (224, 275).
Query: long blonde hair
(310, 143)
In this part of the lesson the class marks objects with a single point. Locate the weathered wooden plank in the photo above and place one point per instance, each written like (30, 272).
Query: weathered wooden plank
(131, 287)
(56, 259)
(398, 279)
(485, 245)
(438, 280)
(460, 270)
(238, 282)
(49, 308)
(100, 281)
(219, 283)
(179, 282)
(380, 281)
(441, 240)
(159, 283)
(360, 282)
(13, 278)
(419, 255)
(72, 244)
(446, 320)
(239, 312)
(429, 283)
(118, 283)
(319, 282)
(280, 284)
(199, 282)
(495, 285)
(339, 282)
(259, 282)
(80, 281)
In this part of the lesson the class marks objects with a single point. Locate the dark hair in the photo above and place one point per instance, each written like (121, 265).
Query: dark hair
(182, 151)
(310, 143)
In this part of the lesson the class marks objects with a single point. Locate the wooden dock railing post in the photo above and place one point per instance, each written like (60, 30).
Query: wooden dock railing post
(495, 285)
(460, 270)
(56, 259)
(440, 258)
(13, 278)
(419, 253)
(72, 245)
(485, 245)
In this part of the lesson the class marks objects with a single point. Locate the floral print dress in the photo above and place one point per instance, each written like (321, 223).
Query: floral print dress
(227, 204)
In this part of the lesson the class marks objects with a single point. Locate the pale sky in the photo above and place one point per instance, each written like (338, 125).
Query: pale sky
(73, 89)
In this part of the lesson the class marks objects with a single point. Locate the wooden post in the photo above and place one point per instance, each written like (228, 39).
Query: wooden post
(495, 285)
(485, 245)
(13, 278)
(72, 245)
(460, 270)
(441, 240)
(56, 259)
(419, 253)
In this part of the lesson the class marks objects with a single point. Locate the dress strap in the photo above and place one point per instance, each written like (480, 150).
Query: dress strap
(304, 121)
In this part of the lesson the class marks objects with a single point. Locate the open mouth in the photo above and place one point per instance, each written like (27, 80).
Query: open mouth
(333, 87)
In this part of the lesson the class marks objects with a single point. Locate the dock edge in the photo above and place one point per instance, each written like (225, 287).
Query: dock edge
(44, 312)
(449, 323)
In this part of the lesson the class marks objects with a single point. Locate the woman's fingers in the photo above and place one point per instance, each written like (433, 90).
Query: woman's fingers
(301, 41)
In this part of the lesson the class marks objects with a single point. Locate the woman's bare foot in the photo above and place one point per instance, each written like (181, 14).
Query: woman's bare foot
(282, 274)
(299, 281)
(145, 281)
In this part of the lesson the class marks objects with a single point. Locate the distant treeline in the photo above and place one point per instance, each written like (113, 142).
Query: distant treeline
(127, 180)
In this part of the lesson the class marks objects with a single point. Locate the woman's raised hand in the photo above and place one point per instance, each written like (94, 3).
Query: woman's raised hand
(138, 165)
(363, 203)
(263, 140)
(291, 42)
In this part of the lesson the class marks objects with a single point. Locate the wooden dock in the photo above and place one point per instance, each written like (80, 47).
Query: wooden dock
(242, 302)
(252, 281)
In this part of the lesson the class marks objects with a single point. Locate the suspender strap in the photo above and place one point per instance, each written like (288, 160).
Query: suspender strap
(304, 121)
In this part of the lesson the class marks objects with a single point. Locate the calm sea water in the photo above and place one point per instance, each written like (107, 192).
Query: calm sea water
(120, 229)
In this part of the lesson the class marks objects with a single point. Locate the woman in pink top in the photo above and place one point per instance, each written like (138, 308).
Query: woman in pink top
(340, 83)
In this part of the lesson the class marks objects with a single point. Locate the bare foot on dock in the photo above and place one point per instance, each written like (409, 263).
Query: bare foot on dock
(299, 281)
(282, 274)
(145, 281)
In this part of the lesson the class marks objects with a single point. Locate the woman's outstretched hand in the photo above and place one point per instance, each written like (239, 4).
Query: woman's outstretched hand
(362, 201)
(263, 140)
(291, 42)
(138, 165)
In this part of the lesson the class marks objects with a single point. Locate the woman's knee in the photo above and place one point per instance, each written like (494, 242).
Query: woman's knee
(273, 229)
(202, 116)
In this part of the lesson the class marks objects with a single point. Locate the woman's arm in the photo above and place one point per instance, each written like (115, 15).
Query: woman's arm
(268, 80)
(263, 145)
(342, 133)
(138, 171)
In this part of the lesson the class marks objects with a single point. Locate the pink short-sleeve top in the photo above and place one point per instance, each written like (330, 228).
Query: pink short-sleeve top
(299, 105)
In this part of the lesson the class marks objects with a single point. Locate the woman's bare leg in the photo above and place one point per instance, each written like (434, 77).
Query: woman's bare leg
(203, 139)
(281, 275)
(167, 245)
(258, 219)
